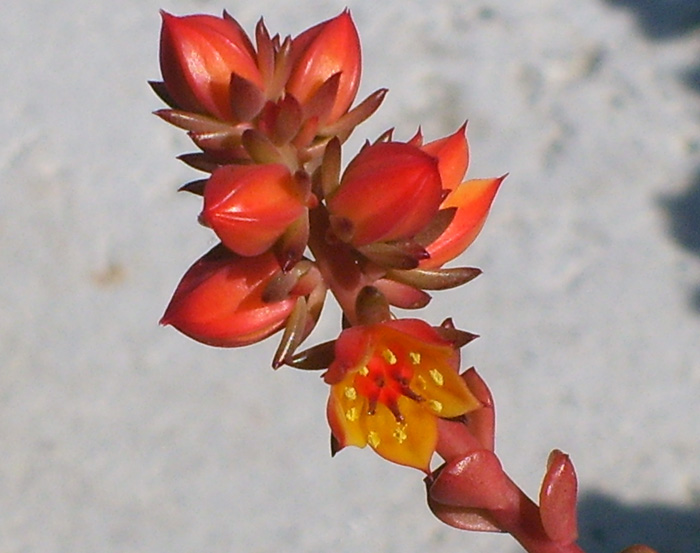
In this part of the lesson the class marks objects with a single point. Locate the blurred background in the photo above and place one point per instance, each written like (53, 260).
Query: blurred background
(118, 435)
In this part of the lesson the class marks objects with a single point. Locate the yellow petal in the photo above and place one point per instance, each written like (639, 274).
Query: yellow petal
(347, 411)
(446, 394)
(410, 442)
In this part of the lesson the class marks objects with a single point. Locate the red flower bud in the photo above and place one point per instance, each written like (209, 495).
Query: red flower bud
(198, 56)
(319, 53)
(249, 207)
(219, 301)
(390, 191)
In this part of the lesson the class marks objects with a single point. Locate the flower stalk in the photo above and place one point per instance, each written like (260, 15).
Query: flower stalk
(269, 117)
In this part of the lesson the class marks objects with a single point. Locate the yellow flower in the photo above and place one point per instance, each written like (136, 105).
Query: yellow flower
(390, 382)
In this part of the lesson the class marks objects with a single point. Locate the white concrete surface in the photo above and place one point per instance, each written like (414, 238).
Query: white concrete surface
(117, 435)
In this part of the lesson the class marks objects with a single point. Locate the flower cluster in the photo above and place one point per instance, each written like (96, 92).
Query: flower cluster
(269, 118)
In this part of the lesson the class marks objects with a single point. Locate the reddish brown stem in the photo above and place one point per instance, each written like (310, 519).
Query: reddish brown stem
(521, 517)
(337, 263)
(523, 523)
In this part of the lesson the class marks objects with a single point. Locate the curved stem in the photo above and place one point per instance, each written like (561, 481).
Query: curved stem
(521, 518)
(523, 523)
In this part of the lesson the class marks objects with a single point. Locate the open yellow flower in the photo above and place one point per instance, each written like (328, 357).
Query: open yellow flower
(390, 382)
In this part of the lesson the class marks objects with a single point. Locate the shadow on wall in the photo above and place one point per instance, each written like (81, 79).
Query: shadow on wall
(666, 19)
(661, 19)
(683, 215)
(607, 526)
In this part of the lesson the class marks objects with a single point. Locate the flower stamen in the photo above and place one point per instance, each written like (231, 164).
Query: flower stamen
(352, 414)
(437, 377)
(400, 433)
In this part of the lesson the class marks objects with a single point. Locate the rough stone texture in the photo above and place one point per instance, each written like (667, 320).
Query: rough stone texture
(117, 435)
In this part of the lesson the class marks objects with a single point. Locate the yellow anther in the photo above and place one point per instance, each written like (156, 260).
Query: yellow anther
(400, 434)
(350, 393)
(389, 356)
(373, 438)
(437, 377)
(421, 382)
(415, 357)
(352, 414)
(364, 371)
(435, 405)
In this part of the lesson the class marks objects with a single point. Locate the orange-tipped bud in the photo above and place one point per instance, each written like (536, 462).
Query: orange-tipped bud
(250, 207)
(390, 191)
(319, 53)
(473, 201)
(452, 153)
(219, 300)
(199, 54)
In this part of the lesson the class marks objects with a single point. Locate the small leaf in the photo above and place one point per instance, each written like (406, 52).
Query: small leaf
(357, 115)
(246, 98)
(293, 334)
(218, 140)
(435, 279)
(289, 249)
(463, 518)
(330, 167)
(459, 338)
(482, 421)
(558, 499)
(266, 52)
(371, 306)
(288, 120)
(194, 122)
(283, 67)
(316, 358)
(200, 161)
(261, 148)
(195, 187)
(395, 255)
(474, 481)
(402, 295)
(162, 92)
(321, 102)
(436, 227)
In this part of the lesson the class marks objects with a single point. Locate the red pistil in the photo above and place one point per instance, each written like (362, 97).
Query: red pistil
(384, 379)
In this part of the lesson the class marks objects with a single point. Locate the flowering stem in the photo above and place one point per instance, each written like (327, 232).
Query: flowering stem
(270, 119)
(523, 523)
(337, 263)
(521, 517)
